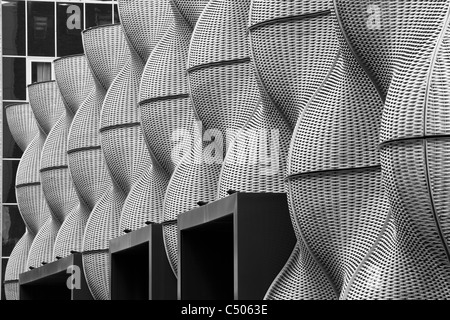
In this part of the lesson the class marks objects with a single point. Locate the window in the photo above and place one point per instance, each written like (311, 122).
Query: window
(70, 24)
(41, 71)
(13, 228)
(10, 147)
(4, 262)
(9, 180)
(41, 28)
(13, 26)
(116, 14)
(14, 79)
(98, 14)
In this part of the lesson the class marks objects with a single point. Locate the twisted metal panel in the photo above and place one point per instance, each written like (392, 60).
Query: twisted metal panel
(226, 96)
(405, 52)
(102, 226)
(86, 162)
(168, 120)
(337, 201)
(56, 180)
(75, 81)
(24, 129)
(144, 23)
(256, 160)
(293, 49)
(143, 33)
(22, 123)
(47, 105)
(190, 10)
(30, 198)
(107, 52)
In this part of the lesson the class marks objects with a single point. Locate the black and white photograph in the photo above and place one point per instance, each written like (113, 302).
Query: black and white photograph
(219, 157)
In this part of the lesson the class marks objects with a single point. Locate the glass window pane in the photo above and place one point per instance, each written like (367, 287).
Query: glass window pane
(13, 26)
(13, 229)
(4, 263)
(9, 180)
(41, 28)
(98, 14)
(10, 148)
(70, 24)
(116, 14)
(41, 71)
(14, 79)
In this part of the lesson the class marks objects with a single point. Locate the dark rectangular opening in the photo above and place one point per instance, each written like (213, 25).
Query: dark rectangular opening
(129, 273)
(140, 269)
(45, 292)
(207, 261)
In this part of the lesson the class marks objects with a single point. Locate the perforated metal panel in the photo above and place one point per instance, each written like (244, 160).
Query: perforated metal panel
(168, 119)
(108, 55)
(406, 55)
(226, 96)
(48, 107)
(22, 123)
(293, 49)
(189, 9)
(337, 200)
(145, 23)
(24, 129)
(76, 82)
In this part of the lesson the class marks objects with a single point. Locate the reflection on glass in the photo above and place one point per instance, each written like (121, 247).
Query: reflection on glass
(4, 263)
(14, 79)
(116, 14)
(13, 228)
(41, 71)
(9, 180)
(13, 26)
(41, 29)
(70, 24)
(98, 14)
(10, 147)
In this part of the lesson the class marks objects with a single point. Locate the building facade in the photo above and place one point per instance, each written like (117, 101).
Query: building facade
(353, 93)
(33, 34)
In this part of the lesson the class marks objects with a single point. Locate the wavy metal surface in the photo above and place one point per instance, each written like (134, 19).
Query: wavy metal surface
(337, 202)
(107, 53)
(75, 81)
(48, 107)
(24, 129)
(144, 23)
(404, 47)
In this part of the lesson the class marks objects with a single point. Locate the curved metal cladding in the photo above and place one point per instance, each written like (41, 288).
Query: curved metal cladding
(169, 124)
(47, 105)
(404, 47)
(75, 82)
(107, 52)
(222, 79)
(86, 162)
(144, 23)
(337, 201)
(190, 10)
(24, 128)
(293, 49)
(22, 123)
